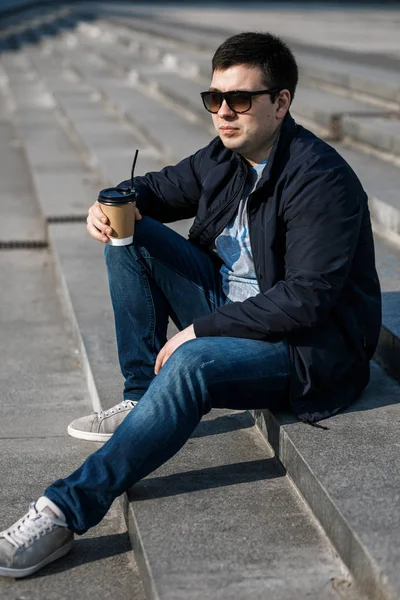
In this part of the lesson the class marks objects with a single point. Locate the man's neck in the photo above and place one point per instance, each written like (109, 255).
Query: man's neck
(262, 154)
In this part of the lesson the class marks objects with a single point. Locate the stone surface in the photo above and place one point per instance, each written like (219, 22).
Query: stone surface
(42, 390)
(352, 483)
(388, 265)
(65, 186)
(22, 221)
(381, 180)
(164, 127)
(382, 134)
(321, 107)
(221, 520)
(381, 83)
(89, 305)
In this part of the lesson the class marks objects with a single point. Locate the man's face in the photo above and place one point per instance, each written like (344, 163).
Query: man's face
(251, 133)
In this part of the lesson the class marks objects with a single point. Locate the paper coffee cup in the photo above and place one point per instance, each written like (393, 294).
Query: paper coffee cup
(119, 206)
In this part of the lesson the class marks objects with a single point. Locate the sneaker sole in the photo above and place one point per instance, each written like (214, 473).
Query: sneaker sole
(89, 436)
(19, 573)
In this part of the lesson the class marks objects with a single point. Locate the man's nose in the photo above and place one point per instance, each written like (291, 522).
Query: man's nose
(225, 110)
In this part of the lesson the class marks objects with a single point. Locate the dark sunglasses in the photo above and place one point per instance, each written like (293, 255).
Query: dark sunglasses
(239, 102)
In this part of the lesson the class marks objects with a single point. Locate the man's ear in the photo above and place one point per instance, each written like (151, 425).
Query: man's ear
(283, 103)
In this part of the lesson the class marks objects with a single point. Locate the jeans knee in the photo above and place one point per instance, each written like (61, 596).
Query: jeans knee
(192, 357)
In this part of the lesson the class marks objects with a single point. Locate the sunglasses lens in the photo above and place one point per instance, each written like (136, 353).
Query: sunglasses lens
(238, 101)
(212, 101)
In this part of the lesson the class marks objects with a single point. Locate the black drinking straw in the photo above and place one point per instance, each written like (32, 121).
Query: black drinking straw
(133, 167)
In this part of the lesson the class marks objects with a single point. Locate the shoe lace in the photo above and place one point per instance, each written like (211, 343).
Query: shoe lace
(32, 526)
(117, 408)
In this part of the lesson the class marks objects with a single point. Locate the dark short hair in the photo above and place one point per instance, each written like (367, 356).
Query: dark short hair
(263, 50)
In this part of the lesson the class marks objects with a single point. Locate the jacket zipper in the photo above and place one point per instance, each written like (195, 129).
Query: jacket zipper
(251, 245)
(224, 207)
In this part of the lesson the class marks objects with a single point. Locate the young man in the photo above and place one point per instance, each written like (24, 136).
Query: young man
(275, 294)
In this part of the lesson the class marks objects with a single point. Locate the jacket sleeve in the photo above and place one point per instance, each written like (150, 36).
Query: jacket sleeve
(170, 194)
(322, 217)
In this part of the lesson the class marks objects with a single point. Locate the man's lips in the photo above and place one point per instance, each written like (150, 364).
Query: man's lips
(226, 129)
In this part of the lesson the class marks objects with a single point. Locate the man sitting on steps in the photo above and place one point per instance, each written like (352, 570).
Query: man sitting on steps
(275, 294)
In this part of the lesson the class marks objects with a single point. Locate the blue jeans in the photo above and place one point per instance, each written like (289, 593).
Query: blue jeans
(163, 274)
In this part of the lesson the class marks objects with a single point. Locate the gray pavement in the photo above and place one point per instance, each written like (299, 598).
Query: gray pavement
(42, 390)
(25, 224)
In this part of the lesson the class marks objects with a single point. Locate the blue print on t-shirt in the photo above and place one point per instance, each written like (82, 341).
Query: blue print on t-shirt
(233, 247)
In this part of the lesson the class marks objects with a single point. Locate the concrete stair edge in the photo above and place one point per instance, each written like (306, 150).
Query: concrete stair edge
(388, 352)
(138, 547)
(67, 303)
(346, 541)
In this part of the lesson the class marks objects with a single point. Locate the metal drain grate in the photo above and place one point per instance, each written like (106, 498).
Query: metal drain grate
(23, 244)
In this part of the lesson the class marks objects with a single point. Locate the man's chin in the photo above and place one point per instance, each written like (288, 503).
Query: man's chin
(232, 143)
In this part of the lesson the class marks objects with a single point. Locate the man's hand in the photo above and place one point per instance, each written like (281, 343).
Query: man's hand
(97, 223)
(172, 345)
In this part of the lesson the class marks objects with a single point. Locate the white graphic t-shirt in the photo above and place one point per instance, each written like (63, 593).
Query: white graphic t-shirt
(233, 247)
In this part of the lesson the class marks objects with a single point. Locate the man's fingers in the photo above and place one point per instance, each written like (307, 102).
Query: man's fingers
(98, 218)
(166, 357)
(160, 360)
(95, 233)
(96, 213)
(138, 216)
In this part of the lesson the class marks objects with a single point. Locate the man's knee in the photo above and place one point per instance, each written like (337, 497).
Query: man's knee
(192, 357)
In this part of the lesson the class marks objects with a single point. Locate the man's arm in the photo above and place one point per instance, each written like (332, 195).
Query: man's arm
(323, 218)
(170, 194)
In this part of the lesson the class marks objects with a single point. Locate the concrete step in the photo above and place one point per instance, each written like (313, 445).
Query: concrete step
(351, 483)
(42, 390)
(170, 53)
(204, 39)
(382, 134)
(388, 265)
(24, 225)
(116, 92)
(64, 184)
(176, 137)
(328, 110)
(109, 140)
(163, 126)
(381, 180)
(381, 85)
(243, 532)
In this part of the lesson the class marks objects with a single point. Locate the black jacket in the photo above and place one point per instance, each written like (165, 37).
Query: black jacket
(313, 252)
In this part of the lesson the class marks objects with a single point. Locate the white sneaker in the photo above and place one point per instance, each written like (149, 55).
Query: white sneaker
(99, 427)
(36, 540)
